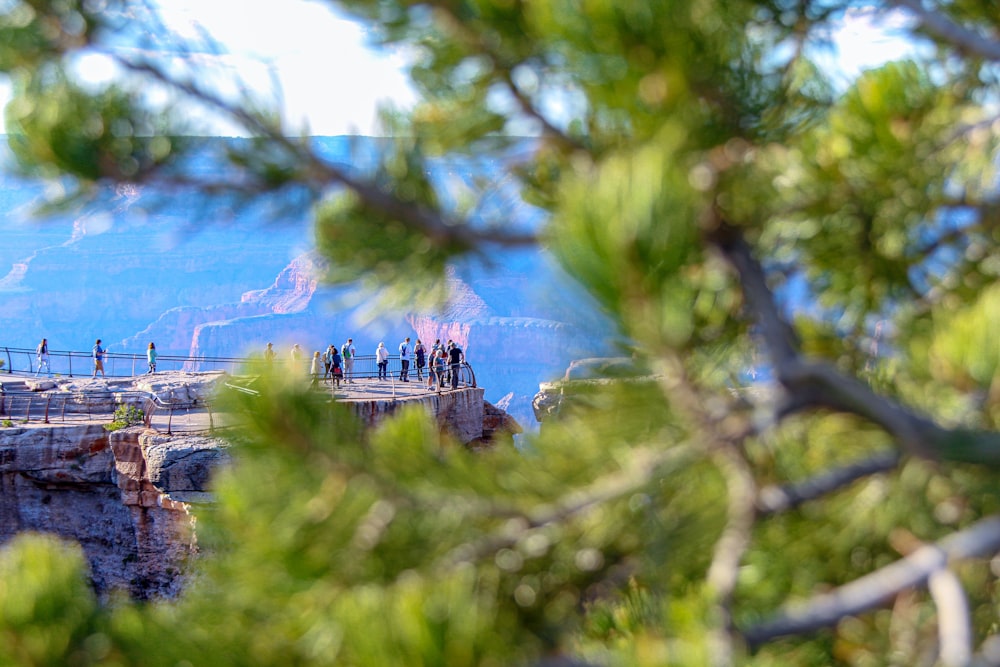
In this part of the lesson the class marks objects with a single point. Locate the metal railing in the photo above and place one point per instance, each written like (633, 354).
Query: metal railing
(116, 364)
(24, 361)
(24, 407)
(21, 406)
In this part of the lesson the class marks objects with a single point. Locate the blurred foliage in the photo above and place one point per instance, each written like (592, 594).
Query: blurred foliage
(626, 532)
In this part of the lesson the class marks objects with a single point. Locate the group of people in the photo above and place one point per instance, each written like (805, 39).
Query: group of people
(442, 361)
(97, 354)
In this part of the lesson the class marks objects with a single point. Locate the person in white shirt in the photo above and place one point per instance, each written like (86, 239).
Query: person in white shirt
(42, 354)
(382, 358)
(347, 352)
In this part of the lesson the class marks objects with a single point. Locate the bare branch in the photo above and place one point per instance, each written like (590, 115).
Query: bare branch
(966, 41)
(723, 573)
(779, 337)
(776, 499)
(815, 385)
(643, 467)
(954, 620)
(875, 589)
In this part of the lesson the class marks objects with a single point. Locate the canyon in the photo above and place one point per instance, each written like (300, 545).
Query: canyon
(211, 276)
(129, 496)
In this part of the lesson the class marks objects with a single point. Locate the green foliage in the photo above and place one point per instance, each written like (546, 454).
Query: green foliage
(48, 613)
(737, 214)
(125, 415)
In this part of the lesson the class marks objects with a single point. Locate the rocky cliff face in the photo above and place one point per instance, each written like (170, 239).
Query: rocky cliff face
(101, 490)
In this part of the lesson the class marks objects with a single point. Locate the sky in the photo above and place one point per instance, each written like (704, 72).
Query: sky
(328, 77)
(330, 82)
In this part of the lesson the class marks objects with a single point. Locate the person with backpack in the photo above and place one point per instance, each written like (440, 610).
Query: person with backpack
(421, 356)
(151, 355)
(404, 360)
(328, 361)
(335, 370)
(348, 352)
(42, 354)
(440, 362)
(98, 354)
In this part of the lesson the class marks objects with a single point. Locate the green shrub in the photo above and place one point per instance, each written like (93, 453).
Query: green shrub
(125, 415)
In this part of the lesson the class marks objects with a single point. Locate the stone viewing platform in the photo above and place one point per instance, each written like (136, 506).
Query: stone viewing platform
(125, 495)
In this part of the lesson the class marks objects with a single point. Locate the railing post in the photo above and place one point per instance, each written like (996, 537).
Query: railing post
(48, 399)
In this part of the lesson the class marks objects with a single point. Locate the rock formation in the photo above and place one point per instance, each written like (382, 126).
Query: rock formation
(126, 496)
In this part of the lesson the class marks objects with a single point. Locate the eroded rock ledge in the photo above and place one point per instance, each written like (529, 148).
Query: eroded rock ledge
(126, 495)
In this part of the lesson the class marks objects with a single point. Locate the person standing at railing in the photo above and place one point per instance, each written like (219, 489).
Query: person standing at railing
(455, 357)
(42, 354)
(317, 363)
(328, 361)
(335, 369)
(151, 358)
(404, 360)
(420, 355)
(382, 360)
(269, 354)
(98, 354)
(440, 363)
(347, 351)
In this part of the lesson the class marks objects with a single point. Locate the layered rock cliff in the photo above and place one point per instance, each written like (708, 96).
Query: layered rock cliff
(107, 492)
(127, 496)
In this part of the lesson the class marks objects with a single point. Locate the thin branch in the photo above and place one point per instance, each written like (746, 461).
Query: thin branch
(431, 223)
(779, 337)
(954, 620)
(961, 38)
(727, 556)
(777, 499)
(811, 384)
(874, 590)
(643, 467)
(475, 42)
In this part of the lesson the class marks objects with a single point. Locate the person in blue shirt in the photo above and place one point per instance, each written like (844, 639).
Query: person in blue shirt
(98, 354)
(404, 360)
(151, 358)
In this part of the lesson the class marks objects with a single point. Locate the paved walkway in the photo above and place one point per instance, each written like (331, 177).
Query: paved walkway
(370, 389)
(29, 408)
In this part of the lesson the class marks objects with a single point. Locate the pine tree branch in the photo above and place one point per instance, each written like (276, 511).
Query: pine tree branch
(874, 590)
(818, 385)
(433, 224)
(644, 466)
(777, 499)
(966, 41)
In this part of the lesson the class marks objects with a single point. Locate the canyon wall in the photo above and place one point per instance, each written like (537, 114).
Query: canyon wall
(208, 275)
(94, 487)
(127, 496)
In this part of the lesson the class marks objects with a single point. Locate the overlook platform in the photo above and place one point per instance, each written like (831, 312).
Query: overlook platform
(178, 401)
